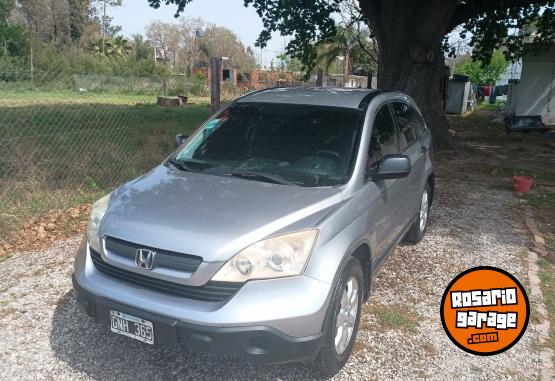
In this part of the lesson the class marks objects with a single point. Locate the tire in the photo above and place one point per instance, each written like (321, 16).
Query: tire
(332, 357)
(417, 231)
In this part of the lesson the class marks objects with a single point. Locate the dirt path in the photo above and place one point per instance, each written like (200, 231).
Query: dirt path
(45, 337)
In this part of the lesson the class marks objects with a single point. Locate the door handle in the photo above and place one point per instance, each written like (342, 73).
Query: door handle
(423, 149)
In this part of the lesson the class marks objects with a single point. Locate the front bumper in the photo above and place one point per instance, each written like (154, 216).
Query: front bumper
(269, 321)
(261, 344)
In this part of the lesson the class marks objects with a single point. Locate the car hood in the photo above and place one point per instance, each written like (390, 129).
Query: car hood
(210, 216)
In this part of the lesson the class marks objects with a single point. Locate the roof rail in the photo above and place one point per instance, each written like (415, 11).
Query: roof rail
(259, 91)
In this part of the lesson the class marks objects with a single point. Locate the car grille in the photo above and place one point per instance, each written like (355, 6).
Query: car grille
(164, 258)
(210, 292)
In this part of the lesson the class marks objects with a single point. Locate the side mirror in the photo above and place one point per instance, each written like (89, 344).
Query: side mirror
(180, 138)
(392, 167)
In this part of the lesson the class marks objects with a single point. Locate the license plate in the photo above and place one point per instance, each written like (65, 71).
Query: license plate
(132, 326)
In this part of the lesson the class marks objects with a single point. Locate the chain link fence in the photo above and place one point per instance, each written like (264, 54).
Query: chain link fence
(66, 140)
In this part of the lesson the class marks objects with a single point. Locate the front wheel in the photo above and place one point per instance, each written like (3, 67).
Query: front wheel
(342, 320)
(420, 225)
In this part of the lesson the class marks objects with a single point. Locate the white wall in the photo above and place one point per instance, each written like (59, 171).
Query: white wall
(536, 90)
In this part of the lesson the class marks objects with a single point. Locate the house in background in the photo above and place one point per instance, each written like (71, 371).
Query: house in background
(534, 93)
(512, 72)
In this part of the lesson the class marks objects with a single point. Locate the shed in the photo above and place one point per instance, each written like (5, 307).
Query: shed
(534, 93)
(458, 94)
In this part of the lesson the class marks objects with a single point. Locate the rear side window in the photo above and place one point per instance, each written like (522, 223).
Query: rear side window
(383, 140)
(408, 120)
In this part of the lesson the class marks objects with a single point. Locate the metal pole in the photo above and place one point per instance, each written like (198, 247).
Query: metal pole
(215, 70)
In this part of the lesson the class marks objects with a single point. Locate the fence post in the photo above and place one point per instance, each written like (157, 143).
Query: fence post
(369, 84)
(215, 69)
(320, 78)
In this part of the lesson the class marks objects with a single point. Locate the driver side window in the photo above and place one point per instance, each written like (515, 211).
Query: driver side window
(383, 140)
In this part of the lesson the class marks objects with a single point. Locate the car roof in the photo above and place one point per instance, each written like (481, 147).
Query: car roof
(317, 96)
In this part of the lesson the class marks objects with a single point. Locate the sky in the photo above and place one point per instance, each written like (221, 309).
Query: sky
(134, 15)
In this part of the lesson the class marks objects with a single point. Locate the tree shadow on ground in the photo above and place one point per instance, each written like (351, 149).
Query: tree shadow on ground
(90, 348)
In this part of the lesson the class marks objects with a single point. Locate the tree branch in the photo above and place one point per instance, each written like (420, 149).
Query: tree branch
(474, 8)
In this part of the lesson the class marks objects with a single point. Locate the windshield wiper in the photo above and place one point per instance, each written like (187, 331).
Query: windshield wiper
(181, 165)
(250, 175)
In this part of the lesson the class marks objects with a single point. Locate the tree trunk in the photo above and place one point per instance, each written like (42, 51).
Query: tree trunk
(410, 54)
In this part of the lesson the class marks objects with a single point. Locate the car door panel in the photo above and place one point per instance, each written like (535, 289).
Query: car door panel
(387, 194)
(411, 146)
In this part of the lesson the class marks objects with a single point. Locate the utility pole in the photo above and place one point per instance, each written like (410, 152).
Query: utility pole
(215, 70)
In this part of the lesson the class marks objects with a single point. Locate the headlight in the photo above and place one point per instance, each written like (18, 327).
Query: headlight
(275, 257)
(98, 210)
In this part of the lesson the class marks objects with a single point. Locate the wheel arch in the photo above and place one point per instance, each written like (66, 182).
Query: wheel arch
(431, 181)
(363, 254)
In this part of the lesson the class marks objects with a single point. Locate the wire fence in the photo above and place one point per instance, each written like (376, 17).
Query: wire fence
(66, 140)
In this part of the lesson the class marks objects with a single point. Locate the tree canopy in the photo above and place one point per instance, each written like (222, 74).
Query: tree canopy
(491, 23)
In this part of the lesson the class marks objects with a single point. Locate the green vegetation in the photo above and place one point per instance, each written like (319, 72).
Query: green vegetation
(542, 200)
(484, 72)
(395, 317)
(547, 278)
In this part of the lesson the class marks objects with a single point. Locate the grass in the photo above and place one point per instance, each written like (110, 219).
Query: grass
(542, 200)
(547, 278)
(395, 317)
(62, 149)
(485, 105)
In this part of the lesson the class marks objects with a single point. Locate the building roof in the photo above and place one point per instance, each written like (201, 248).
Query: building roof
(318, 96)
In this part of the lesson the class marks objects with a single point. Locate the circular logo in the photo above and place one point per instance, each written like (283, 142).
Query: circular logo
(485, 310)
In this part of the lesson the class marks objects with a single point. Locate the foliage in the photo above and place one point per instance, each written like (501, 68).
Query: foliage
(14, 40)
(199, 85)
(112, 47)
(78, 17)
(484, 73)
(72, 60)
(6, 7)
(177, 45)
(288, 63)
(98, 15)
(11, 68)
(491, 22)
(512, 27)
(355, 48)
(141, 47)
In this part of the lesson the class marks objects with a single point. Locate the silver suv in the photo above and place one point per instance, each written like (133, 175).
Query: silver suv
(261, 234)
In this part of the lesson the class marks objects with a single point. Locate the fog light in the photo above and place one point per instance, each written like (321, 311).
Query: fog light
(277, 261)
(244, 266)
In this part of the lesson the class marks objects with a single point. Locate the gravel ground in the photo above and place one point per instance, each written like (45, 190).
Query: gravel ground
(45, 337)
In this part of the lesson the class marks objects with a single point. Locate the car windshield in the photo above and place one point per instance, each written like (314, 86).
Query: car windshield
(299, 144)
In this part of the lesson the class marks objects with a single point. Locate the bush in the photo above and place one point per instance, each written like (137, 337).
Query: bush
(199, 85)
(12, 68)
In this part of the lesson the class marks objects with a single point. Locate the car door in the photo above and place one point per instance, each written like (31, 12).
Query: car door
(385, 218)
(410, 145)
